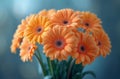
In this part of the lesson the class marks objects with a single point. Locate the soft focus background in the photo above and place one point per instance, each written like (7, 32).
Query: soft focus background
(13, 11)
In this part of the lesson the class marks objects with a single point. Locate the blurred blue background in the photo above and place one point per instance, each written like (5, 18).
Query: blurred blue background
(13, 11)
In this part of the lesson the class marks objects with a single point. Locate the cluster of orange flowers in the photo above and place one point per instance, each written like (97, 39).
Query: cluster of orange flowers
(62, 33)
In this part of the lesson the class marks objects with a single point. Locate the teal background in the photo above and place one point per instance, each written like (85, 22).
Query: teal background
(13, 11)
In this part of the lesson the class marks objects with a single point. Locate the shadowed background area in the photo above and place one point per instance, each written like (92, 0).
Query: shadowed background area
(13, 11)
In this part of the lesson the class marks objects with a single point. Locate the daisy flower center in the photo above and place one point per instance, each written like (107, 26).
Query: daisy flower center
(87, 24)
(65, 22)
(59, 43)
(39, 29)
(82, 48)
(99, 43)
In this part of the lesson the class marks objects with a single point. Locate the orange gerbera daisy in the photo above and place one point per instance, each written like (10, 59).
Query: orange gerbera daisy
(103, 42)
(48, 13)
(59, 42)
(89, 21)
(36, 26)
(27, 50)
(66, 17)
(15, 44)
(86, 50)
(22, 26)
(18, 35)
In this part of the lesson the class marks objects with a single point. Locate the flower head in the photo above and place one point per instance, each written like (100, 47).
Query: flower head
(103, 42)
(59, 42)
(22, 26)
(66, 17)
(27, 50)
(15, 44)
(89, 21)
(18, 35)
(86, 50)
(36, 26)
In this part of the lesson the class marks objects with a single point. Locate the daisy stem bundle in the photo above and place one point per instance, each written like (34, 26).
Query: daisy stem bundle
(50, 66)
(70, 68)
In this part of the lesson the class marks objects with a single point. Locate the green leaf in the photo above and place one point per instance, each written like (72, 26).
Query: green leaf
(89, 72)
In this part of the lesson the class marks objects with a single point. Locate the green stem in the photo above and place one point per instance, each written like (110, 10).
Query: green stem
(50, 67)
(39, 58)
(39, 54)
(70, 68)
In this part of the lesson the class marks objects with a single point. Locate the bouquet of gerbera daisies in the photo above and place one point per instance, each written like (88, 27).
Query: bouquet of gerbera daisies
(70, 39)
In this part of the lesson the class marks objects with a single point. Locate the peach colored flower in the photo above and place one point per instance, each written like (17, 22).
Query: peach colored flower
(15, 44)
(59, 42)
(89, 21)
(36, 26)
(27, 50)
(86, 50)
(18, 35)
(22, 27)
(103, 42)
(66, 17)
